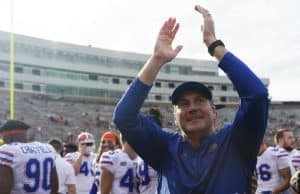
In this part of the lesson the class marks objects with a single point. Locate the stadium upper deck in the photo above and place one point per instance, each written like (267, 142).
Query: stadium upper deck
(68, 70)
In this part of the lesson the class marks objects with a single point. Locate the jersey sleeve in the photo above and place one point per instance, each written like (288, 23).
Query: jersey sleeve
(108, 161)
(70, 175)
(282, 159)
(6, 155)
(70, 157)
(296, 160)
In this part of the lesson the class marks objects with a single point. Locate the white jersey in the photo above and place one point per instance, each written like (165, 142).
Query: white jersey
(292, 168)
(147, 178)
(292, 153)
(123, 169)
(32, 165)
(296, 160)
(267, 168)
(85, 177)
(97, 170)
(65, 173)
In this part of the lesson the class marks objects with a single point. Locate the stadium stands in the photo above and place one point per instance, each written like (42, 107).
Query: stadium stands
(66, 118)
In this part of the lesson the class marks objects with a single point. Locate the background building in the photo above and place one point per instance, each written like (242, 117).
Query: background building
(73, 71)
(62, 89)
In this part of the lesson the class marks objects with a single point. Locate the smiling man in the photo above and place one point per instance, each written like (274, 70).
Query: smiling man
(198, 160)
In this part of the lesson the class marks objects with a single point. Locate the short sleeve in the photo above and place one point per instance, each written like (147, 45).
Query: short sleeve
(283, 159)
(70, 157)
(6, 155)
(296, 160)
(107, 161)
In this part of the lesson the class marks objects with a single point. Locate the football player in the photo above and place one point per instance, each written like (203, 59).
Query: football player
(25, 167)
(284, 138)
(83, 162)
(65, 171)
(147, 178)
(118, 170)
(108, 141)
(273, 171)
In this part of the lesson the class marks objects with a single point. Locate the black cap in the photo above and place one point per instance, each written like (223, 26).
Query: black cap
(13, 125)
(55, 140)
(190, 86)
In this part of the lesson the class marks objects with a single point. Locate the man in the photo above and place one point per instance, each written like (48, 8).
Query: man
(65, 171)
(197, 160)
(69, 148)
(109, 141)
(118, 170)
(83, 162)
(147, 176)
(25, 167)
(284, 138)
(273, 171)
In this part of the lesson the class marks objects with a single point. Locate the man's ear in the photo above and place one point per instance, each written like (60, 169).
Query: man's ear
(176, 123)
(215, 116)
(174, 115)
(215, 112)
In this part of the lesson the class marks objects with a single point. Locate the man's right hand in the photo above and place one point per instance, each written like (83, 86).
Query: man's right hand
(163, 51)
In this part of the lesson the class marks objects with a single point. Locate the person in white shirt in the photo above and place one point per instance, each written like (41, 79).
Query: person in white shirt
(83, 162)
(296, 159)
(118, 170)
(147, 178)
(109, 141)
(272, 169)
(25, 167)
(284, 138)
(65, 171)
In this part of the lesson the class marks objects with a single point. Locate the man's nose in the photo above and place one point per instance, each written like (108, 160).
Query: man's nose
(193, 108)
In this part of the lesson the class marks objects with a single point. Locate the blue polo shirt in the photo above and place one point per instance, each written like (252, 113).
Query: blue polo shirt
(225, 160)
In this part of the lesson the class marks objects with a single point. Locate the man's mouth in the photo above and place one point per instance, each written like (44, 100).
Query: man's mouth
(194, 118)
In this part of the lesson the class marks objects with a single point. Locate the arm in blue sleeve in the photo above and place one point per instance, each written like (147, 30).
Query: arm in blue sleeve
(250, 122)
(142, 133)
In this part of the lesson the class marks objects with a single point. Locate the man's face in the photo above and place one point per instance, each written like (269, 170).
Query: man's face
(86, 148)
(194, 113)
(288, 140)
(107, 144)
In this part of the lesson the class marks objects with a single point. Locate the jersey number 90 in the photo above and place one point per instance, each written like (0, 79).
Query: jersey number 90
(40, 172)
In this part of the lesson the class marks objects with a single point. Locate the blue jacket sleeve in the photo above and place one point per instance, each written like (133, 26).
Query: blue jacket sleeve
(250, 121)
(141, 132)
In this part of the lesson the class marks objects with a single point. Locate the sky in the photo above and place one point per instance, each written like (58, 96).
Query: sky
(263, 33)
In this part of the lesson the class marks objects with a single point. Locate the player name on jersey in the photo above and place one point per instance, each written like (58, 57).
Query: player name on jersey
(35, 149)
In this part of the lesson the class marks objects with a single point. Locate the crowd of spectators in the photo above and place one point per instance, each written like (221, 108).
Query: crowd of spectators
(65, 118)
